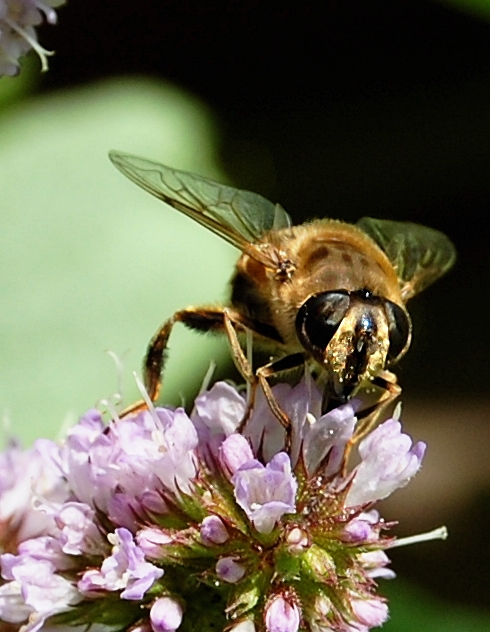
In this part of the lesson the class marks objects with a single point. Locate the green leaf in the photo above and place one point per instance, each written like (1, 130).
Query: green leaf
(89, 262)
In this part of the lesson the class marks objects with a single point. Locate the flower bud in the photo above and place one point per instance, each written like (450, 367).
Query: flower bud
(297, 539)
(319, 564)
(166, 615)
(234, 452)
(151, 541)
(370, 612)
(213, 531)
(229, 571)
(282, 615)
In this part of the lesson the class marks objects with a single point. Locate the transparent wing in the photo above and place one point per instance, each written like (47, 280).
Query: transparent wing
(420, 255)
(240, 217)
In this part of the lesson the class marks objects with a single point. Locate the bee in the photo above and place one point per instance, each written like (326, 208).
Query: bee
(325, 292)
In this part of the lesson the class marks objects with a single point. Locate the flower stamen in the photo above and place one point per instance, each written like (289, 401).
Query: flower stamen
(441, 533)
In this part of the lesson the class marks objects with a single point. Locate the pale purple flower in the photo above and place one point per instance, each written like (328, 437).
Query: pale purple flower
(220, 410)
(166, 615)
(28, 480)
(78, 532)
(44, 548)
(282, 615)
(126, 570)
(133, 457)
(36, 589)
(388, 462)
(325, 439)
(131, 509)
(17, 33)
(267, 492)
(43, 589)
(316, 438)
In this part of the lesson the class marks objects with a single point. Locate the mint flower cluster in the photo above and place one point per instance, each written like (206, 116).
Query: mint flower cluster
(18, 19)
(162, 521)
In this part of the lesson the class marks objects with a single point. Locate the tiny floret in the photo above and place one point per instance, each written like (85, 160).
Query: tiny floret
(125, 570)
(267, 492)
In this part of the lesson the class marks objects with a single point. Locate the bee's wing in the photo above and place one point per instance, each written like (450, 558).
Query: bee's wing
(419, 254)
(240, 217)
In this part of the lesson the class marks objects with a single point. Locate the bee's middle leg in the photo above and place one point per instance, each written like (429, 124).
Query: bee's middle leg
(287, 363)
(261, 375)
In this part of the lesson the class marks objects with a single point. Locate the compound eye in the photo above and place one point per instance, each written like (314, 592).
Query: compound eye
(400, 330)
(319, 317)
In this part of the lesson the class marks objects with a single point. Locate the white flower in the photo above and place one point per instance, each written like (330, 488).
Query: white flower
(17, 33)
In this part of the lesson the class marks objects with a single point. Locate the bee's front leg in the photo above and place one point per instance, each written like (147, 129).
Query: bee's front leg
(369, 417)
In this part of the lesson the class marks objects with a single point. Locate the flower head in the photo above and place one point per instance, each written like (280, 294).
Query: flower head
(160, 520)
(18, 19)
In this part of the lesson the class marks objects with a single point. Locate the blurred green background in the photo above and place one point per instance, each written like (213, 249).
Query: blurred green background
(337, 109)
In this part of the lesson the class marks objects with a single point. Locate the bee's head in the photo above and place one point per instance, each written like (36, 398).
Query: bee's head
(353, 335)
